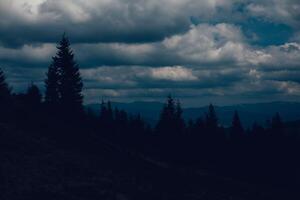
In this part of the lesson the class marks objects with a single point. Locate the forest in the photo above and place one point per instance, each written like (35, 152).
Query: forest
(46, 139)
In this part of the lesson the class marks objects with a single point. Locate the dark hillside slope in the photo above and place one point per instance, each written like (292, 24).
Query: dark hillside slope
(35, 168)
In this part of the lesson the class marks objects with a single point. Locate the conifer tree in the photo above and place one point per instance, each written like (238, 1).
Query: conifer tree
(106, 116)
(237, 129)
(71, 83)
(52, 97)
(277, 127)
(33, 95)
(5, 98)
(167, 118)
(32, 107)
(103, 109)
(179, 122)
(211, 118)
(70, 86)
(212, 129)
(171, 121)
(109, 113)
(258, 132)
(5, 91)
(137, 124)
(63, 83)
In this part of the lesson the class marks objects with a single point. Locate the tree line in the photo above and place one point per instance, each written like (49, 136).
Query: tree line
(256, 153)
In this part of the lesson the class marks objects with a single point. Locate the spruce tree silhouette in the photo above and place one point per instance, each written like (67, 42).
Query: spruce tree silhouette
(32, 106)
(168, 118)
(121, 119)
(33, 95)
(5, 99)
(106, 118)
(137, 124)
(211, 118)
(277, 127)
(63, 98)
(237, 129)
(179, 122)
(257, 132)
(63, 83)
(107, 113)
(5, 91)
(52, 82)
(33, 101)
(170, 128)
(71, 85)
(211, 124)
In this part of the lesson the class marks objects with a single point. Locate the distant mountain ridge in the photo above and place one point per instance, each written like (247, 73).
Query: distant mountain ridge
(249, 113)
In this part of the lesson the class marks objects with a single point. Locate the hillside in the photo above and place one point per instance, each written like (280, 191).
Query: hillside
(39, 168)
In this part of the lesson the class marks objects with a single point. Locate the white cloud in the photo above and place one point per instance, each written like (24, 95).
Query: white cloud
(32, 53)
(176, 73)
(215, 44)
(202, 46)
(150, 48)
(103, 20)
(279, 11)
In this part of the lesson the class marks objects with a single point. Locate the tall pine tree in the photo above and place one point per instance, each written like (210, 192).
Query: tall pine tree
(33, 96)
(237, 129)
(171, 122)
(277, 126)
(70, 82)
(5, 98)
(4, 89)
(180, 124)
(212, 125)
(64, 83)
(211, 118)
(52, 96)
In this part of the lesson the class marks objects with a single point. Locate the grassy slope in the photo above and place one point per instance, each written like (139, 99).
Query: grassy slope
(40, 169)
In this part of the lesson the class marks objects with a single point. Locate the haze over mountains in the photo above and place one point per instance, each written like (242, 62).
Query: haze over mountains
(249, 113)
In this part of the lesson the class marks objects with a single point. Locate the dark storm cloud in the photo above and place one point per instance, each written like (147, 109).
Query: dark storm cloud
(129, 21)
(138, 49)
(20, 78)
(89, 22)
(124, 77)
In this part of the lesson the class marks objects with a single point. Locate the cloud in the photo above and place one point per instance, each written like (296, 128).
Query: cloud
(176, 73)
(128, 21)
(278, 11)
(90, 21)
(125, 77)
(207, 43)
(28, 55)
(203, 45)
(137, 49)
(93, 21)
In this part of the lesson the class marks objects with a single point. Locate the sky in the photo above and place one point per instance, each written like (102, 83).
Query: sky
(200, 51)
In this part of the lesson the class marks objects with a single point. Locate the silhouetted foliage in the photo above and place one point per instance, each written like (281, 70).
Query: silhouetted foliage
(211, 118)
(277, 128)
(70, 82)
(5, 98)
(179, 124)
(52, 96)
(263, 154)
(170, 121)
(237, 129)
(63, 83)
(106, 117)
(5, 91)
(33, 96)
